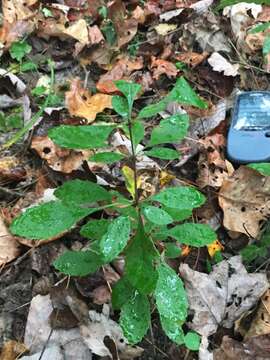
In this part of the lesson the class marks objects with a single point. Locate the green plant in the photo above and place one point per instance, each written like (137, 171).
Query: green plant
(140, 223)
(18, 51)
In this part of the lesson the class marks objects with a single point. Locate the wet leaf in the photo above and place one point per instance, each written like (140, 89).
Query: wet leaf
(184, 94)
(81, 137)
(81, 192)
(172, 251)
(115, 239)
(152, 110)
(262, 168)
(135, 318)
(192, 341)
(129, 90)
(170, 130)
(178, 215)
(170, 295)
(47, 220)
(157, 215)
(173, 330)
(121, 293)
(106, 157)
(140, 256)
(95, 229)
(137, 130)
(182, 198)
(78, 263)
(120, 105)
(193, 234)
(163, 153)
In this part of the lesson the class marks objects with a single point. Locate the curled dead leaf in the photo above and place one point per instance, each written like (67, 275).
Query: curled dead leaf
(220, 64)
(12, 350)
(192, 59)
(161, 66)
(80, 102)
(11, 169)
(121, 70)
(14, 10)
(58, 159)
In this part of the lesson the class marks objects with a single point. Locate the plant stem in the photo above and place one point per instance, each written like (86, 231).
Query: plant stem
(134, 161)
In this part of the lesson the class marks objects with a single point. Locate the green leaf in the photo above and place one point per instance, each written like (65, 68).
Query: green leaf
(193, 234)
(28, 66)
(115, 239)
(109, 32)
(172, 251)
(171, 298)
(152, 110)
(252, 252)
(137, 130)
(47, 12)
(259, 28)
(157, 215)
(170, 130)
(182, 198)
(106, 157)
(80, 137)
(120, 105)
(173, 330)
(95, 229)
(262, 168)
(38, 90)
(47, 220)
(139, 268)
(121, 293)
(192, 341)
(81, 192)
(266, 45)
(129, 90)
(78, 263)
(135, 318)
(178, 215)
(19, 49)
(184, 94)
(163, 153)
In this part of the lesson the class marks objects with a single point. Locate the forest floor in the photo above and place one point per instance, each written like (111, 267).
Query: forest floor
(90, 44)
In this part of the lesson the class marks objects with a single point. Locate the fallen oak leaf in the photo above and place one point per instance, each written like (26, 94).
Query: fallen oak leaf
(80, 102)
(221, 297)
(161, 66)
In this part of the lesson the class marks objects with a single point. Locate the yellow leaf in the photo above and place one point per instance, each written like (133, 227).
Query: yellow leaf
(164, 29)
(165, 178)
(214, 247)
(185, 250)
(130, 180)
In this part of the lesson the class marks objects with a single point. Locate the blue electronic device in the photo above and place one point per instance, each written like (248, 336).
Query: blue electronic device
(249, 133)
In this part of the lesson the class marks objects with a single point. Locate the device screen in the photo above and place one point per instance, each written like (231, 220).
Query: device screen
(253, 112)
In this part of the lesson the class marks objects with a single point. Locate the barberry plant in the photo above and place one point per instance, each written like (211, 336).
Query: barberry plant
(141, 222)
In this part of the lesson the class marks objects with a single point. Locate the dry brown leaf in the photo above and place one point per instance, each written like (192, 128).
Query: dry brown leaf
(256, 348)
(80, 102)
(255, 41)
(264, 16)
(12, 169)
(95, 35)
(245, 200)
(58, 159)
(260, 324)
(192, 59)
(11, 32)
(139, 15)
(14, 10)
(121, 70)
(163, 67)
(9, 247)
(12, 350)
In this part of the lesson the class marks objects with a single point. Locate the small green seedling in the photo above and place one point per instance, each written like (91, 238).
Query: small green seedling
(140, 222)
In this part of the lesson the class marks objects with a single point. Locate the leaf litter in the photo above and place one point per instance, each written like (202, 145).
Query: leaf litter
(152, 43)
